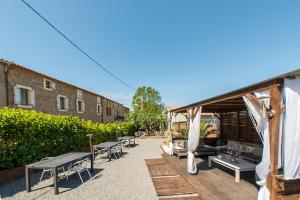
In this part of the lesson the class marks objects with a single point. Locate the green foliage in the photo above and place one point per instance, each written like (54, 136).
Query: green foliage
(127, 128)
(149, 112)
(203, 129)
(27, 136)
(183, 133)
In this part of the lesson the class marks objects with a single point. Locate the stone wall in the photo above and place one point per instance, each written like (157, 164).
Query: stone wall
(46, 100)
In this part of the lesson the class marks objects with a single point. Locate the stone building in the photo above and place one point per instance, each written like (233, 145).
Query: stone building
(24, 88)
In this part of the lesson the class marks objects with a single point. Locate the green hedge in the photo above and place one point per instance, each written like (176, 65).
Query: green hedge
(27, 136)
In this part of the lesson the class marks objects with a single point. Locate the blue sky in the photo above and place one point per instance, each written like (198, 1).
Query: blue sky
(188, 50)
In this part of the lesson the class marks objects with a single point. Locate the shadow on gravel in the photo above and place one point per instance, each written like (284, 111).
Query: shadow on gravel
(74, 180)
(64, 185)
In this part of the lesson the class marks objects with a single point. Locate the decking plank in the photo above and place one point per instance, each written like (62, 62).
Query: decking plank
(172, 186)
(181, 198)
(161, 170)
(156, 161)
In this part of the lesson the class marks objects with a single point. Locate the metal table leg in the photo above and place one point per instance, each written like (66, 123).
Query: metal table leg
(55, 180)
(237, 175)
(28, 179)
(109, 153)
(92, 163)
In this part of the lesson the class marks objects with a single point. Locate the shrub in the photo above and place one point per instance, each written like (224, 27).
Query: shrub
(128, 128)
(27, 136)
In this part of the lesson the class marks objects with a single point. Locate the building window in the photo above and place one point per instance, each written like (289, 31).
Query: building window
(99, 109)
(24, 96)
(108, 111)
(80, 107)
(115, 112)
(98, 100)
(49, 85)
(24, 100)
(62, 103)
(79, 94)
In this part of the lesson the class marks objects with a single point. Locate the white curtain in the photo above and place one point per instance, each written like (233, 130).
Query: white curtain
(193, 140)
(171, 134)
(262, 126)
(291, 129)
(263, 168)
(255, 117)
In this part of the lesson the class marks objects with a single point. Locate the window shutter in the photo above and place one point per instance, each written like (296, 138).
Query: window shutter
(17, 98)
(67, 103)
(79, 94)
(100, 109)
(57, 103)
(53, 86)
(77, 105)
(31, 97)
(83, 106)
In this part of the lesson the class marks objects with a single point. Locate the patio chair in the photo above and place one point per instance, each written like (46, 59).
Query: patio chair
(124, 144)
(117, 150)
(99, 152)
(50, 170)
(79, 167)
(137, 134)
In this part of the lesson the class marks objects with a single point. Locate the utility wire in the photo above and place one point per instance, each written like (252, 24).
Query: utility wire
(76, 46)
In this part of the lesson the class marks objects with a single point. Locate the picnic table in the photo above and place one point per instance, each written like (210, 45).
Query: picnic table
(53, 164)
(129, 138)
(108, 146)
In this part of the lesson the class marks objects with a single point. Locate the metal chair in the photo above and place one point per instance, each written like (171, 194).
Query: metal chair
(116, 150)
(79, 167)
(124, 144)
(99, 152)
(50, 170)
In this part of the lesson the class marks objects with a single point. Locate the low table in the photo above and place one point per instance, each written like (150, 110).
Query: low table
(129, 138)
(106, 145)
(53, 164)
(242, 166)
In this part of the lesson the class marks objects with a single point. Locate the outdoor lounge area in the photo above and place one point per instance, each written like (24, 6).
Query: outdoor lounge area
(255, 125)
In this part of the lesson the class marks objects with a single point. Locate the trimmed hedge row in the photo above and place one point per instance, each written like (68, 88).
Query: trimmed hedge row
(27, 136)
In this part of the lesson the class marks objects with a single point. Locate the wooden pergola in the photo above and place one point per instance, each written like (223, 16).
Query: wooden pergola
(232, 102)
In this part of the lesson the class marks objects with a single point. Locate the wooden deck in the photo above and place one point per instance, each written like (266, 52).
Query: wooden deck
(172, 186)
(216, 183)
(161, 170)
(156, 161)
(168, 183)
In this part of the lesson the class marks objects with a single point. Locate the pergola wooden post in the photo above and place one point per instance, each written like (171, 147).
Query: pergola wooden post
(274, 127)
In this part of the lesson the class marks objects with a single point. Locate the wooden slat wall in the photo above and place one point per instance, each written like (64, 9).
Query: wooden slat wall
(228, 126)
(179, 125)
(238, 126)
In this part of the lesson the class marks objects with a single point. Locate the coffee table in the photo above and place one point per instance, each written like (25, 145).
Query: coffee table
(241, 166)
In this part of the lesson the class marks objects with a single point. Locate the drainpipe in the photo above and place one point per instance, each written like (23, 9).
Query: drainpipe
(6, 70)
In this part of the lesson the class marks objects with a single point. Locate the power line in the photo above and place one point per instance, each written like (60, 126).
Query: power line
(76, 46)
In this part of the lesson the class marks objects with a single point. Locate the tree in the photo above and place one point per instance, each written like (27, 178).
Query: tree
(149, 112)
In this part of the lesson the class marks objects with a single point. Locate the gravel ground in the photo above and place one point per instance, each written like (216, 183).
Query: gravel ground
(126, 178)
